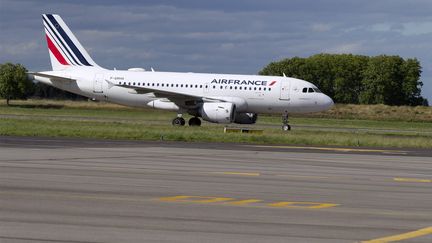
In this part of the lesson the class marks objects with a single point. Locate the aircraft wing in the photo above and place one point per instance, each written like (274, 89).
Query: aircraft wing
(51, 77)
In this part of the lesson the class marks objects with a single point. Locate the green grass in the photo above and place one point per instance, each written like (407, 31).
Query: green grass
(107, 121)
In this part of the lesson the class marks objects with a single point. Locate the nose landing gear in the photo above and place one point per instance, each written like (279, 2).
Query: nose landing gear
(285, 125)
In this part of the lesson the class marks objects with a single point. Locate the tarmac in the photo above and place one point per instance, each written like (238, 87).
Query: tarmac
(84, 190)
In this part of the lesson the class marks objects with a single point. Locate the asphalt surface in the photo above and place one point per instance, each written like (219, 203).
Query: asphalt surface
(75, 190)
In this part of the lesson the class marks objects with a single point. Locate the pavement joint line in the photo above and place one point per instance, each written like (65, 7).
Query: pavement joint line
(74, 196)
(238, 173)
(412, 180)
(404, 236)
(304, 176)
(332, 149)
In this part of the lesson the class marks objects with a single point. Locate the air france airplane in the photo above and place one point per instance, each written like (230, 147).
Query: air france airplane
(217, 98)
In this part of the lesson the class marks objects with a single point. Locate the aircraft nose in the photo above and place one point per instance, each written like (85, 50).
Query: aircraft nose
(327, 102)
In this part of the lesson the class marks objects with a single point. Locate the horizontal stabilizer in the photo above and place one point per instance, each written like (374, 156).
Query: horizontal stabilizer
(51, 77)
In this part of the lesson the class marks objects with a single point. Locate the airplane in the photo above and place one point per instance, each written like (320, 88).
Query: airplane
(216, 98)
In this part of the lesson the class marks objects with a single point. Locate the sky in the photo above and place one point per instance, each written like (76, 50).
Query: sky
(223, 36)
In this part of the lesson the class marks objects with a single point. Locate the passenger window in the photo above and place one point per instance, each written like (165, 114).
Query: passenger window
(200, 86)
(311, 90)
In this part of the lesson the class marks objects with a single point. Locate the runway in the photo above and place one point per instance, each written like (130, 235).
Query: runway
(77, 190)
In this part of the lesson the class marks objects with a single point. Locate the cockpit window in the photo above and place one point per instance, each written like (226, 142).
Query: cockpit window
(304, 90)
(311, 90)
(317, 90)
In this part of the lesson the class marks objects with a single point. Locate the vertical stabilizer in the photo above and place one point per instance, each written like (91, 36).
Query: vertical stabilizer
(64, 48)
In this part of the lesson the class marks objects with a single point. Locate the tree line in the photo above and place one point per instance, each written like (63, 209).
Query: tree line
(347, 78)
(357, 79)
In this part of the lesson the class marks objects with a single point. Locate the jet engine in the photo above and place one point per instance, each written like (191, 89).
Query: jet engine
(245, 118)
(218, 112)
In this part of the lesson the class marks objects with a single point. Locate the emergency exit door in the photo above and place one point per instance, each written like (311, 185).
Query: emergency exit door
(285, 90)
(98, 83)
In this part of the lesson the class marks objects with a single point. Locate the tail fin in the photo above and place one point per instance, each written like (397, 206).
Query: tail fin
(64, 48)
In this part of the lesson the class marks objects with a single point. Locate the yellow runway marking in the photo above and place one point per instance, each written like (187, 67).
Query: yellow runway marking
(239, 173)
(412, 180)
(310, 205)
(405, 236)
(333, 149)
(244, 202)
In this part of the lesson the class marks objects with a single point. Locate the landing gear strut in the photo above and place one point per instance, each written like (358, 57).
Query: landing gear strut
(285, 125)
(179, 121)
(194, 121)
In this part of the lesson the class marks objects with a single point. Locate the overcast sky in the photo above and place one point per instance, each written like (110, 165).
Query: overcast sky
(223, 36)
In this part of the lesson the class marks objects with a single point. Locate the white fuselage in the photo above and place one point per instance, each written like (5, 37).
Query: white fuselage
(250, 93)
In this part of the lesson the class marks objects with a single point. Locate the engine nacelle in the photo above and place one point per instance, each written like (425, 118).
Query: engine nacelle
(218, 112)
(245, 118)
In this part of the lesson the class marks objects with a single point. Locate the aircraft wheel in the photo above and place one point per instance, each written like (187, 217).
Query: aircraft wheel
(286, 127)
(178, 121)
(194, 121)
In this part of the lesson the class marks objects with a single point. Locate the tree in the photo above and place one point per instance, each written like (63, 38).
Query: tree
(348, 73)
(411, 87)
(357, 79)
(13, 82)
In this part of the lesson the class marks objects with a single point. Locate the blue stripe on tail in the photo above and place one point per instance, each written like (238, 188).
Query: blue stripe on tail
(62, 44)
(68, 40)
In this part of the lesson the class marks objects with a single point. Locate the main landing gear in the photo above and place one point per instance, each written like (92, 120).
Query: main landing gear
(194, 121)
(285, 126)
(180, 121)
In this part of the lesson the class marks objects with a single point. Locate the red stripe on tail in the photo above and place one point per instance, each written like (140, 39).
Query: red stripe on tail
(56, 52)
